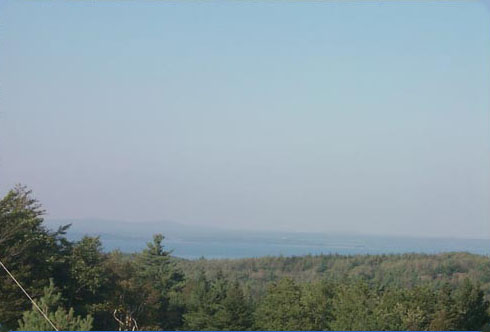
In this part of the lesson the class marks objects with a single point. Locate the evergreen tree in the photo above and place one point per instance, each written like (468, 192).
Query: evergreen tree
(90, 289)
(32, 253)
(200, 311)
(397, 311)
(160, 281)
(234, 312)
(216, 305)
(353, 307)
(50, 304)
(445, 316)
(471, 307)
(281, 309)
(317, 303)
(89, 276)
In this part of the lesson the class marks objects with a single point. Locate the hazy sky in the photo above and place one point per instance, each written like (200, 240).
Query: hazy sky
(313, 116)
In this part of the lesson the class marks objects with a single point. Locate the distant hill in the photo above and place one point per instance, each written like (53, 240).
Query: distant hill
(194, 241)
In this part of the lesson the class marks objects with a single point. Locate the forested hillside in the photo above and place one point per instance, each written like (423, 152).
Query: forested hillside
(404, 271)
(80, 287)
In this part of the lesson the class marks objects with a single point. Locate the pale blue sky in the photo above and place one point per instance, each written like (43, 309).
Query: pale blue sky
(314, 116)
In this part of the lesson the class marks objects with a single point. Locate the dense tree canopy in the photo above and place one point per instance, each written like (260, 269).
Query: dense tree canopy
(81, 287)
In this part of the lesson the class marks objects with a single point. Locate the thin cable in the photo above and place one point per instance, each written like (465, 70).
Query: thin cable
(28, 296)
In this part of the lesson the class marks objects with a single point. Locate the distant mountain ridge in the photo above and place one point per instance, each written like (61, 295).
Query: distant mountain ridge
(196, 241)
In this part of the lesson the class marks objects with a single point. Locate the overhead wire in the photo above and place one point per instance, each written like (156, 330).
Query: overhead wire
(28, 296)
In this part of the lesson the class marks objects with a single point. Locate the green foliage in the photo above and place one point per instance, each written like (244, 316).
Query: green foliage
(30, 251)
(217, 305)
(89, 276)
(50, 304)
(471, 307)
(234, 312)
(317, 299)
(163, 282)
(282, 308)
(126, 297)
(86, 267)
(353, 307)
(91, 285)
(152, 290)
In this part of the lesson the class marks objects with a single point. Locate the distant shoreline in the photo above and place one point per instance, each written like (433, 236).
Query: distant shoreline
(192, 243)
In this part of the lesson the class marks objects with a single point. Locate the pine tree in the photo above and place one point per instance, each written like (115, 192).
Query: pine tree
(353, 307)
(234, 312)
(199, 315)
(30, 251)
(446, 316)
(317, 302)
(471, 307)
(50, 304)
(89, 276)
(160, 281)
(281, 309)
